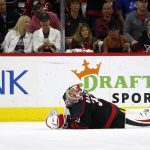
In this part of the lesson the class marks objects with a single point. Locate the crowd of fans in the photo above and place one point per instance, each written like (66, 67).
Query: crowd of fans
(100, 26)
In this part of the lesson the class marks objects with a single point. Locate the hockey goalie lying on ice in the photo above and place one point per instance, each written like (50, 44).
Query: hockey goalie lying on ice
(88, 112)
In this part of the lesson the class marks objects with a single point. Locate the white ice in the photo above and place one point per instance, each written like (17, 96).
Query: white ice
(37, 136)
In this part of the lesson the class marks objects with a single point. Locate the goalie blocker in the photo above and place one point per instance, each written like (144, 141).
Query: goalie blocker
(86, 112)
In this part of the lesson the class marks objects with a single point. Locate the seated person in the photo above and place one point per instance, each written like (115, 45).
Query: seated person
(38, 9)
(72, 20)
(46, 39)
(18, 39)
(101, 28)
(143, 44)
(83, 39)
(47, 6)
(135, 22)
(115, 42)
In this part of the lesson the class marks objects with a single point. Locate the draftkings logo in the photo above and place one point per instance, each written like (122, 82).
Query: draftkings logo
(91, 80)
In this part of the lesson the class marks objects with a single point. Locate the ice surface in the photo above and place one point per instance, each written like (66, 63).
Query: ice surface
(37, 136)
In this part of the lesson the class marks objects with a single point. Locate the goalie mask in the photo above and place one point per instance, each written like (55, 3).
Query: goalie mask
(73, 95)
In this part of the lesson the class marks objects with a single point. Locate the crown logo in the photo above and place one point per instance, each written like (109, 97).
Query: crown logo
(87, 70)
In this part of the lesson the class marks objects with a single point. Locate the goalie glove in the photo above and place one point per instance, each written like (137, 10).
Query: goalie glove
(55, 120)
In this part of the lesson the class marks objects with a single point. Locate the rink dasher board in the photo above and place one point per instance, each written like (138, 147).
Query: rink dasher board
(45, 79)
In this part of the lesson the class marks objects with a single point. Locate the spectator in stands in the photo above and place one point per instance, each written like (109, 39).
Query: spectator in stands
(18, 39)
(72, 20)
(94, 10)
(46, 39)
(37, 9)
(143, 44)
(101, 28)
(83, 39)
(124, 7)
(115, 42)
(8, 19)
(47, 6)
(135, 22)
